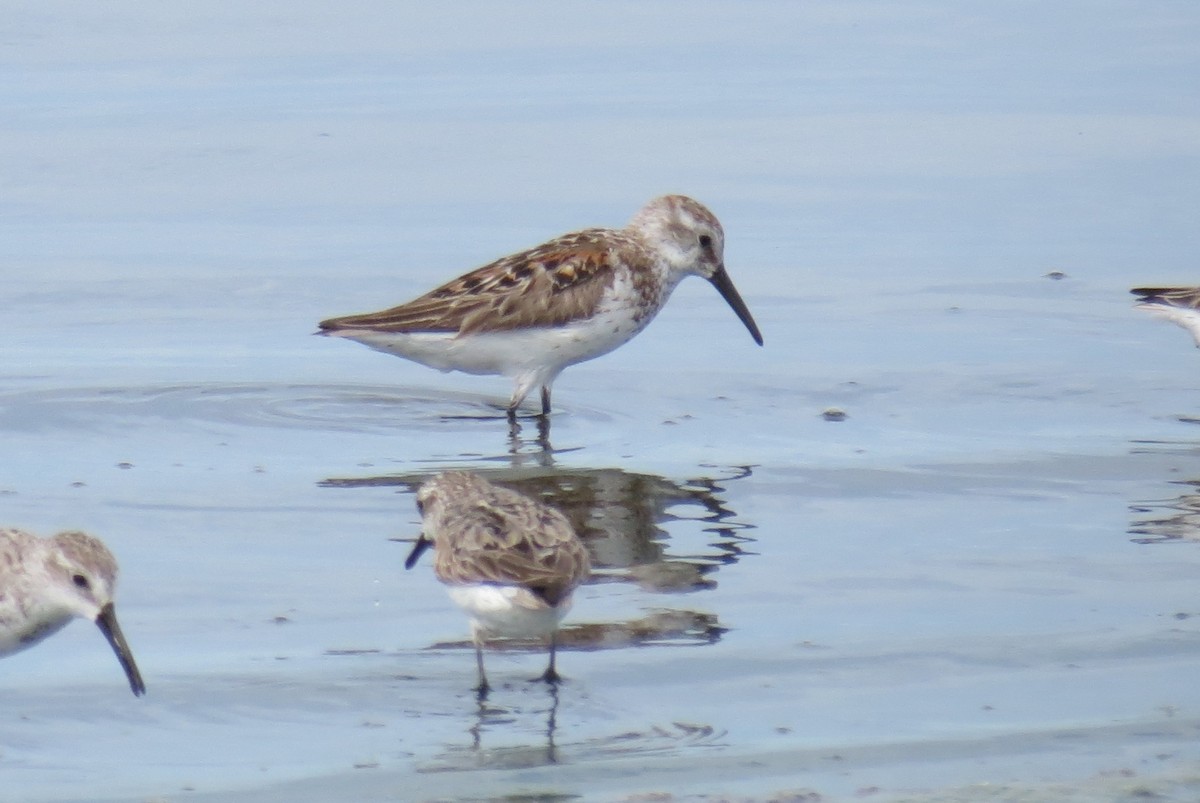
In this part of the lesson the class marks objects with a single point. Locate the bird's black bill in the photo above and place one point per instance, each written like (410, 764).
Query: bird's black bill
(107, 622)
(418, 549)
(724, 285)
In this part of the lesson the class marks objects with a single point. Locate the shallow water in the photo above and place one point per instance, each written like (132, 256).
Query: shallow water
(979, 585)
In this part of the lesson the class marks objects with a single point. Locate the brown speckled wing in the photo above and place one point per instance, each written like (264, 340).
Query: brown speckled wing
(553, 284)
(512, 540)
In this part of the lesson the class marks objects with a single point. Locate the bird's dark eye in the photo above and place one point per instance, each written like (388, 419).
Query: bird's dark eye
(705, 241)
(80, 581)
(420, 507)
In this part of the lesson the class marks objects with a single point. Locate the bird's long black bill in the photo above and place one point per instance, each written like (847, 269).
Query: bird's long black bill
(418, 549)
(724, 285)
(107, 622)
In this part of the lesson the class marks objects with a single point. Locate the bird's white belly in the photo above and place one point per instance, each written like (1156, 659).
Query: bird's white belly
(508, 610)
(509, 353)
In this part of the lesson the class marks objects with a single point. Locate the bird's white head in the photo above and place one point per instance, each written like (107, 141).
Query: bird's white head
(682, 230)
(690, 240)
(84, 574)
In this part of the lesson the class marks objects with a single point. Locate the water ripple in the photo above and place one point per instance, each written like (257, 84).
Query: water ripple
(357, 408)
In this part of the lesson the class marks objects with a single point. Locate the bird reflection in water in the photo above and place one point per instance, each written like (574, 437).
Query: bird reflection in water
(490, 717)
(494, 728)
(625, 519)
(535, 446)
(639, 529)
(1168, 520)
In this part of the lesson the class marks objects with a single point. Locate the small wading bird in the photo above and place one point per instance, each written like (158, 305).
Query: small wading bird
(510, 562)
(46, 582)
(1179, 305)
(529, 315)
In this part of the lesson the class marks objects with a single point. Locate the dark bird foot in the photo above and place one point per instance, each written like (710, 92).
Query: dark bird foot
(549, 676)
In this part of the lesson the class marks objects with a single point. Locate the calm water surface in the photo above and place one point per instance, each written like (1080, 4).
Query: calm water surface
(980, 585)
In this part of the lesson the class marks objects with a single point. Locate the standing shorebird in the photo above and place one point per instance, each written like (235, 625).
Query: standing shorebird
(529, 315)
(510, 562)
(1179, 305)
(46, 582)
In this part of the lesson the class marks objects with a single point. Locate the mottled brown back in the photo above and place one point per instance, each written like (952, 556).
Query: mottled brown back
(484, 533)
(550, 285)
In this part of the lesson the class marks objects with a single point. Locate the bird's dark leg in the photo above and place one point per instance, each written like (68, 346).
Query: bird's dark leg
(551, 675)
(483, 686)
(545, 400)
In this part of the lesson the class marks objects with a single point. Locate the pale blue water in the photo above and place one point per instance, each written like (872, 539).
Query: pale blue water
(982, 582)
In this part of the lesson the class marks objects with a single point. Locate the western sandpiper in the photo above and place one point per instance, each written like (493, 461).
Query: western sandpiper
(1179, 305)
(529, 315)
(46, 582)
(510, 562)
